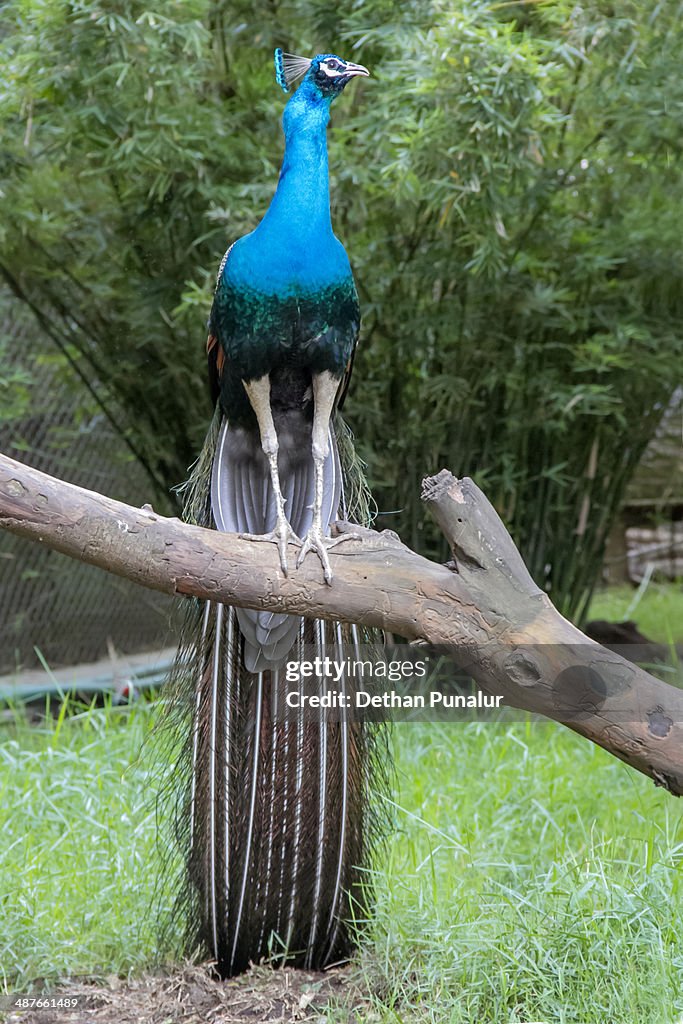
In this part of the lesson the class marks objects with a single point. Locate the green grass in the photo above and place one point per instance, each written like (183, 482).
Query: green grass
(531, 878)
(77, 847)
(534, 879)
(659, 613)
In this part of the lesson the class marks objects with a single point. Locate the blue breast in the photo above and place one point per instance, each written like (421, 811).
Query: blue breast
(287, 259)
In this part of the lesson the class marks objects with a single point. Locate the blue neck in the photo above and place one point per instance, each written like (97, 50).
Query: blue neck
(293, 249)
(300, 208)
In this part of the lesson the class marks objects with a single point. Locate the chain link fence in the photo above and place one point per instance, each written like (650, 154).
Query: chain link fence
(52, 608)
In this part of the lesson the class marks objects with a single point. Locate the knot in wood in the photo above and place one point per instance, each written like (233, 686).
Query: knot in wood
(659, 725)
(522, 669)
(15, 488)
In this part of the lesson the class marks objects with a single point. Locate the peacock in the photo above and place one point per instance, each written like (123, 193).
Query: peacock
(276, 817)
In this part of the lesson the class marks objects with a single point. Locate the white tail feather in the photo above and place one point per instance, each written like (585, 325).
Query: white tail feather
(320, 625)
(252, 811)
(195, 728)
(333, 924)
(211, 887)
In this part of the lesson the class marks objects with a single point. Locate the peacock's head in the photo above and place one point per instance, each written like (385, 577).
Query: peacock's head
(326, 72)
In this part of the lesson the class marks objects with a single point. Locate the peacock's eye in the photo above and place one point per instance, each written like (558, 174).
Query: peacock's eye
(333, 65)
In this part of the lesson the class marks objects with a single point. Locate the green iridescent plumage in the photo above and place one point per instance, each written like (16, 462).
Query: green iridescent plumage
(271, 334)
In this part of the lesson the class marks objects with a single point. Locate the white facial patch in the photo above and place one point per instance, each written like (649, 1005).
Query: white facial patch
(332, 68)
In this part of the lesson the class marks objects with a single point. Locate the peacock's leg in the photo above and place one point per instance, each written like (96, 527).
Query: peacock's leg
(325, 388)
(258, 392)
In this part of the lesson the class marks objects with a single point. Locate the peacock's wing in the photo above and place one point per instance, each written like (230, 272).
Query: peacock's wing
(354, 326)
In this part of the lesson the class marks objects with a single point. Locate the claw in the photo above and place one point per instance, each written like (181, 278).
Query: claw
(316, 540)
(282, 535)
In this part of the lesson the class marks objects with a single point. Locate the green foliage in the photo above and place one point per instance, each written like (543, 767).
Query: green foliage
(14, 387)
(15, 379)
(530, 334)
(506, 184)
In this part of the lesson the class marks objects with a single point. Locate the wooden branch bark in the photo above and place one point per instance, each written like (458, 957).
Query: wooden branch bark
(485, 607)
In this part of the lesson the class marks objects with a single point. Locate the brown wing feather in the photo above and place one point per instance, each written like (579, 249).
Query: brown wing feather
(216, 361)
(346, 379)
(214, 351)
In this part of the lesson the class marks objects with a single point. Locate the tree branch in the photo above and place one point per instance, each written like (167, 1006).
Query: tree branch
(485, 608)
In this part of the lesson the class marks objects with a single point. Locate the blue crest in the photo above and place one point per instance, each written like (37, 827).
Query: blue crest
(289, 67)
(280, 70)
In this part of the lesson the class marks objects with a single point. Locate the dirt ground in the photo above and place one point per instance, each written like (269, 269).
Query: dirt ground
(191, 995)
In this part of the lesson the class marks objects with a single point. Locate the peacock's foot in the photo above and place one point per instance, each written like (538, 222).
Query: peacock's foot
(282, 535)
(315, 540)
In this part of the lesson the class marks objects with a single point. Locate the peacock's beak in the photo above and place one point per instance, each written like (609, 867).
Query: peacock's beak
(351, 70)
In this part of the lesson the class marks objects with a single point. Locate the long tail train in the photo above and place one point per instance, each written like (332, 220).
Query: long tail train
(278, 815)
